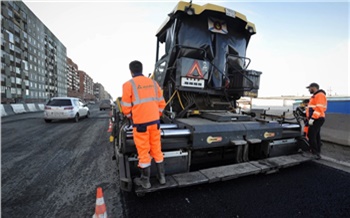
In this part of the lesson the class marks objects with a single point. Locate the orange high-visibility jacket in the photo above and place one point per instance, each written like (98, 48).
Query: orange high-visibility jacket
(317, 105)
(142, 100)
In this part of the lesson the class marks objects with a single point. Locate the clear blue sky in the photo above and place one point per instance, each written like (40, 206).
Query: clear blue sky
(296, 42)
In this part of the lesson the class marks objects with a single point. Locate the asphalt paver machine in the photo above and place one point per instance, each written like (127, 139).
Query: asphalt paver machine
(203, 72)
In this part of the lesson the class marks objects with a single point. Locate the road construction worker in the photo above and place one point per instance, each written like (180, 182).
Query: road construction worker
(143, 103)
(315, 115)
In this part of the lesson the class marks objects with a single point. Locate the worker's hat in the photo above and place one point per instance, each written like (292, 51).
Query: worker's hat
(313, 85)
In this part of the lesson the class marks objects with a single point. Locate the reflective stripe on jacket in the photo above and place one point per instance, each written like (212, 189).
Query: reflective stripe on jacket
(142, 100)
(317, 105)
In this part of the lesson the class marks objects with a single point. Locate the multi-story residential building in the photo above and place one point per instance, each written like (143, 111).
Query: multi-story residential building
(99, 92)
(33, 60)
(73, 79)
(86, 86)
(97, 89)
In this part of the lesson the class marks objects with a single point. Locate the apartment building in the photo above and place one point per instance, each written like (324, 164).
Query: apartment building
(100, 93)
(33, 60)
(73, 79)
(86, 86)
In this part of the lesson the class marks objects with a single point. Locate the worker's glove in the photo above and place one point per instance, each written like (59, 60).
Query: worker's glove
(311, 122)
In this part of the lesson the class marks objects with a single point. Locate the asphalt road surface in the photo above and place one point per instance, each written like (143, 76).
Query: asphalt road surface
(53, 170)
(308, 190)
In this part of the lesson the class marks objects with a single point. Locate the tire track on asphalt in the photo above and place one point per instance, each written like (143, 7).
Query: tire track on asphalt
(53, 170)
(34, 173)
(94, 175)
(49, 172)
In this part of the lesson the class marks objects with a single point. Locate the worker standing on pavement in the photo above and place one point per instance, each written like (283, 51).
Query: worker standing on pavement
(315, 114)
(143, 102)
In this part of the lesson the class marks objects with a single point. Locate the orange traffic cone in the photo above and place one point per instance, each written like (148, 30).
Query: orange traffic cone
(110, 126)
(100, 210)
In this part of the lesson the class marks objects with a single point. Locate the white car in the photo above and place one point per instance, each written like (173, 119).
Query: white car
(63, 108)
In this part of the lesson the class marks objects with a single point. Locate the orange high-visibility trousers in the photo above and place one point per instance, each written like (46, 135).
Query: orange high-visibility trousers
(148, 145)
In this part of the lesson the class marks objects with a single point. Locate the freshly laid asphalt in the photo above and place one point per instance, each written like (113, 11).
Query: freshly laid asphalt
(307, 190)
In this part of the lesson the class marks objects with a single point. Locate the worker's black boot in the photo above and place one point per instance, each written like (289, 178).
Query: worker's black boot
(161, 173)
(144, 179)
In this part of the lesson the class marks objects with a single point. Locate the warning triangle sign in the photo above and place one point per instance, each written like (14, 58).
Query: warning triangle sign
(195, 71)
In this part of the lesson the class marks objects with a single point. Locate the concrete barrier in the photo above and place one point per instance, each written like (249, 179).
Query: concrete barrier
(37, 106)
(41, 107)
(12, 109)
(336, 129)
(26, 107)
(32, 107)
(3, 112)
(8, 109)
(18, 108)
